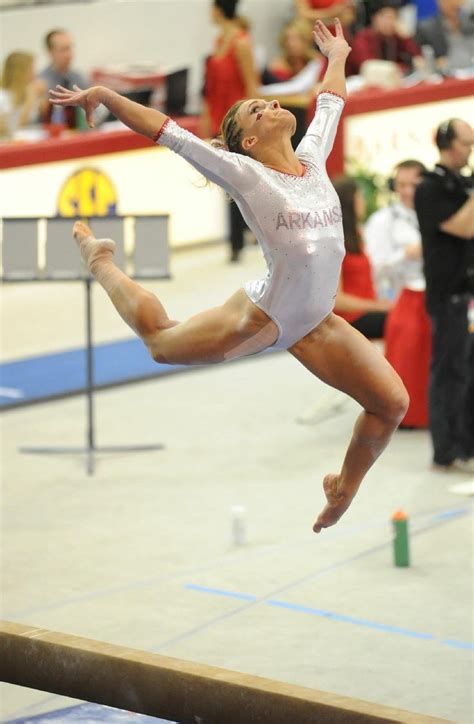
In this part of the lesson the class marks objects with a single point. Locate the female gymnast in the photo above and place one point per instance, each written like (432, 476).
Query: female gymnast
(290, 204)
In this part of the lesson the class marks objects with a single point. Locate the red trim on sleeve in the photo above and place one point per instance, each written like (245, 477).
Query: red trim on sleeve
(157, 135)
(332, 93)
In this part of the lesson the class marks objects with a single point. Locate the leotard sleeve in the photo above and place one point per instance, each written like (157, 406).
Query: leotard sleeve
(236, 173)
(319, 138)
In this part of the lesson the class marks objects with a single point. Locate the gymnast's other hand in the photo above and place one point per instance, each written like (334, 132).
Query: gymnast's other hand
(87, 99)
(338, 503)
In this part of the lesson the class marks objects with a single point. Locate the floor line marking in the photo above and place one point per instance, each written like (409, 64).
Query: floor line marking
(168, 643)
(334, 616)
(220, 592)
(458, 644)
(343, 618)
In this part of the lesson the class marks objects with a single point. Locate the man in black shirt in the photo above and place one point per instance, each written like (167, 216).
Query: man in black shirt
(445, 208)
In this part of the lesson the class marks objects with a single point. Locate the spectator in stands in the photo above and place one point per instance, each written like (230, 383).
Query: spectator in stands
(356, 299)
(382, 40)
(445, 208)
(393, 244)
(20, 93)
(293, 76)
(60, 47)
(297, 50)
(230, 76)
(392, 234)
(451, 35)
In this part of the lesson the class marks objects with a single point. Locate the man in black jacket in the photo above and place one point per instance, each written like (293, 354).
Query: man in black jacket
(445, 208)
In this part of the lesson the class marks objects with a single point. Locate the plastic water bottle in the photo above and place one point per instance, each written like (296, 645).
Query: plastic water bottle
(239, 532)
(57, 122)
(401, 552)
(58, 116)
(429, 56)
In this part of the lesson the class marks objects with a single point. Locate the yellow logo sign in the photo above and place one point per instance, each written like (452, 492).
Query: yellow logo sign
(88, 192)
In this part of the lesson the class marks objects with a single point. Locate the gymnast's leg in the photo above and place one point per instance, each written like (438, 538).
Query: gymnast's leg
(344, 359)
(235, 329)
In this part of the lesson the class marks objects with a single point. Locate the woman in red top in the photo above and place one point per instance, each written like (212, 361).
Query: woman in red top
(356, 300)
(230, 76)
(230, 70)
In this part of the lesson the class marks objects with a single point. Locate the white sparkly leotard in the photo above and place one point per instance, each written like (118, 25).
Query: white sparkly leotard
(296, 220)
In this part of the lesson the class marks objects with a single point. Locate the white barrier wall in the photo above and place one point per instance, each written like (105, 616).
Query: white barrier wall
(169, 33)
(145, 181)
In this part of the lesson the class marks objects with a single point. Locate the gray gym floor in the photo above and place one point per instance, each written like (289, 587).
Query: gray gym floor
(141, 553)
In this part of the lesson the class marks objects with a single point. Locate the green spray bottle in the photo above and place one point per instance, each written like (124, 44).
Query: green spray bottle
(401, 551)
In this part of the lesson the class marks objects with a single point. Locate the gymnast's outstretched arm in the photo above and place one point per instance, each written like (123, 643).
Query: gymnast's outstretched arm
(319, 138)
(237, 174)
(143, 120)
(234, 329)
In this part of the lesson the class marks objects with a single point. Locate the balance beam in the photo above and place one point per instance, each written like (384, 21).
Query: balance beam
(173, 689)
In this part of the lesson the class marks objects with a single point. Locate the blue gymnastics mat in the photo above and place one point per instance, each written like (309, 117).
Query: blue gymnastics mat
(64, 373)
(89, 714)
(50, 376)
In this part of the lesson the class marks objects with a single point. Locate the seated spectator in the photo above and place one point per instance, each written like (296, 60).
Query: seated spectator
(356, 299)
(60, 48)
(295, 72)
(393, 243)
(451, 35)
(382, 40)
(20, 93)
(296, 43)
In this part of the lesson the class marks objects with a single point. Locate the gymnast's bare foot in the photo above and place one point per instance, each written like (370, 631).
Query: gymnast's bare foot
(338, 503)
(92, 249)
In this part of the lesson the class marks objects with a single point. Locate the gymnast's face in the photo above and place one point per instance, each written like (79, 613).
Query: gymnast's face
(264, 122)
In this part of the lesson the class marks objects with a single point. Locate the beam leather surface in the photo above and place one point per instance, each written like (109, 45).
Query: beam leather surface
(170, 688)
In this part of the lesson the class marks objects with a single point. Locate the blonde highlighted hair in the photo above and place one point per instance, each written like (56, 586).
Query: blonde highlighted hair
(231, 131)
(16, 75)
(304, 31)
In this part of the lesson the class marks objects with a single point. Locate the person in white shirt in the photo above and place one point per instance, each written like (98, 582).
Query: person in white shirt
(393, 243)
(288, 201)
(392, 236)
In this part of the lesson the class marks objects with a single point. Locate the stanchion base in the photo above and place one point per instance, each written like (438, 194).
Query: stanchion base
(105, 449)
(89, 451)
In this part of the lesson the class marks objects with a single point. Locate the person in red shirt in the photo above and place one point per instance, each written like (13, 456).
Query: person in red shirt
(383, 41)
(230, 76)
(230, 71)
(356, 300)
